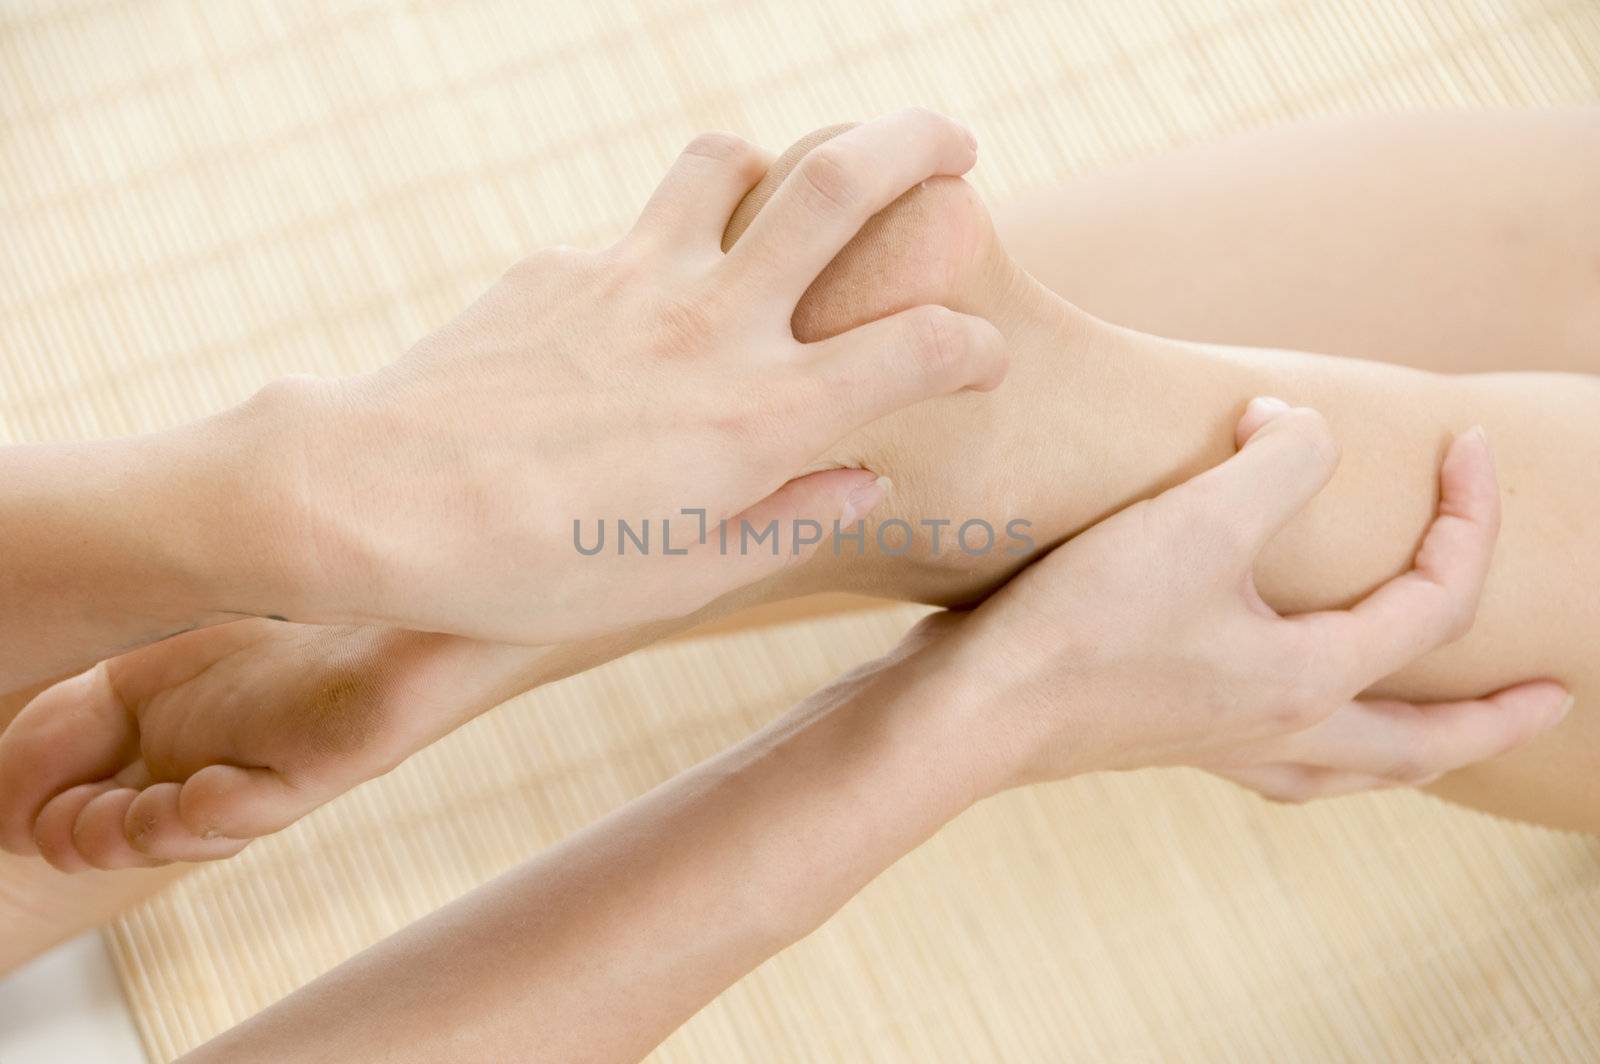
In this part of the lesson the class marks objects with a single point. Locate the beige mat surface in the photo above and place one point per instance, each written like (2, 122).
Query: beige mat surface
(196, 197)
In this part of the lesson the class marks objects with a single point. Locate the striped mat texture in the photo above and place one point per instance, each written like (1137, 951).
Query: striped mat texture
(196, 197)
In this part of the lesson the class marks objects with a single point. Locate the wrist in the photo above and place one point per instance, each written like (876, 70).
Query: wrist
(988, 712)
(854, 777)
(243, 475)
(966, 736)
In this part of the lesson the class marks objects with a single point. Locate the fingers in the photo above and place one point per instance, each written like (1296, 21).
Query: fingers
(835, 188)
(1412, 744)
(1286, 455)
(761, 193)
(692, 205)
(787, 526)
(1433, 603)
(1372, 744)
(73, 733)
(885, 365)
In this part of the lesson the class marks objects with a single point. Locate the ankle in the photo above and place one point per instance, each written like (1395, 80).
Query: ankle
(1062, 443)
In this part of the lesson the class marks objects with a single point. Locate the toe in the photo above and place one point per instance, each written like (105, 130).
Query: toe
(73, 733)
(155, 828)
(100, 836)
(241, 803)
(52, 830)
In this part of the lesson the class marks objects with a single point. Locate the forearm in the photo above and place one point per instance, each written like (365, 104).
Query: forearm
(659, 906)
(112, 544)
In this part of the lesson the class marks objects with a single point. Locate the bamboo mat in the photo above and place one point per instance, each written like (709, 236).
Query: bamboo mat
(197, 197)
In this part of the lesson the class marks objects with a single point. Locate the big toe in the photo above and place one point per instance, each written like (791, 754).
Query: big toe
(234, 802)
(154, 826)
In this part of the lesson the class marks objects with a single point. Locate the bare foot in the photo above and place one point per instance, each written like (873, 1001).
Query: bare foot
(187, 749)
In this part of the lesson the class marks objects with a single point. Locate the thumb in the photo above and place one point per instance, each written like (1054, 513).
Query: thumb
(791, 524)
(1286, 455)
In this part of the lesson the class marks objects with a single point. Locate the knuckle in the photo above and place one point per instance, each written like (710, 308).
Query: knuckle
(928, 119)
(633, 264)
(541, 264)
(1302, 705)
(1200, 515)
(1416, 754)
(1295, 698)
(938, 339)
(830, 180)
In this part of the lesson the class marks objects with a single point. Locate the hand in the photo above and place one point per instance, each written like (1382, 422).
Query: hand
(1143, 641)
(657, 376)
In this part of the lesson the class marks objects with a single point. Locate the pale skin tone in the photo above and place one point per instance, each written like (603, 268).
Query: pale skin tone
(1141, 642)
(469, 677)
(439, 492)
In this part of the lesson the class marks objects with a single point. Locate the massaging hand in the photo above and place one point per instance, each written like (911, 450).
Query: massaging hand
(632, 383)
(1143, 641)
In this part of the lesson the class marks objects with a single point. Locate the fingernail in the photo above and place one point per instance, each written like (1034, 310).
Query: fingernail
(1477, 430)
(861, 501)
(972, 138)
(1269, 402)
(1561, 711)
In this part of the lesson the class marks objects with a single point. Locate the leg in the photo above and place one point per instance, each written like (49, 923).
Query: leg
(1454, 241)
(1093, 417)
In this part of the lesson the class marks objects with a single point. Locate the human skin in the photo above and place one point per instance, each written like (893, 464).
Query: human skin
(440, 492)
(1454, 242)
(40, 906)
(1123, 414)
(1451, 241)
(1084, 386)
(1141, 642)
